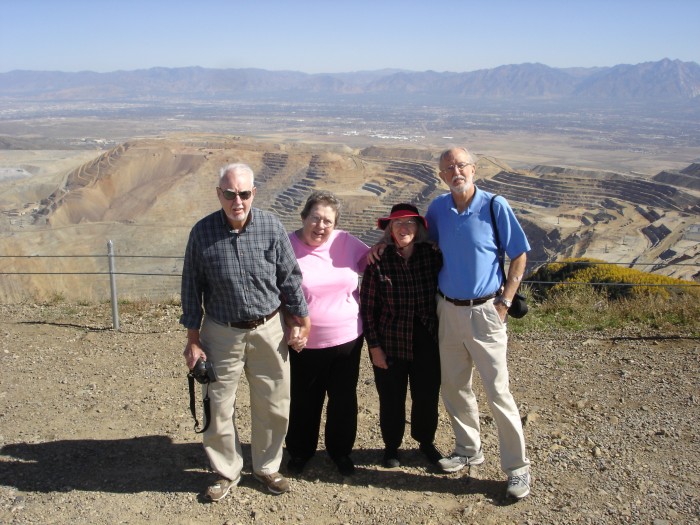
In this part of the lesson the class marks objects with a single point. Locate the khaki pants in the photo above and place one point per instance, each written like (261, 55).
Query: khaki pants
(475, 336)
(263, 354)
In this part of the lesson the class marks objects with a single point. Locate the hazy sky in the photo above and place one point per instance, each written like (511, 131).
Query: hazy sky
(331, 36)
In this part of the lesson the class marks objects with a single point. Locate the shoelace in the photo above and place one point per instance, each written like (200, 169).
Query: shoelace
(516, 480)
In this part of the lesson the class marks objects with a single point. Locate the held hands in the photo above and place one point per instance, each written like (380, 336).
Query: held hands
(299, 328)
(296, 341)
(378, 357)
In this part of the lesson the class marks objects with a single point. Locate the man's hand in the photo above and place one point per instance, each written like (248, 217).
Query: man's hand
(378, 357)
(193, 350)
(502, 310)
(298, 332)
(375, 253)
(516, 268)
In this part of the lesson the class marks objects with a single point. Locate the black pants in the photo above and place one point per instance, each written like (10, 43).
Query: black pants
(316, 373)
(423, 374)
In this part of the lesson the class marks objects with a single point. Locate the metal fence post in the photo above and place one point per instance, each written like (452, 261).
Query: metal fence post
(113, 285)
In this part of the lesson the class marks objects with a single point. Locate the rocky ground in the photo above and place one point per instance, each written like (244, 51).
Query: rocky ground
(95, 428)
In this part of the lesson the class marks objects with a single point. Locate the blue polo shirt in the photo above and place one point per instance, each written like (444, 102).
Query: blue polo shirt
(470, 259)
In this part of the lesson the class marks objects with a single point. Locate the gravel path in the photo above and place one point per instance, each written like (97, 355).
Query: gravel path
(95, 428)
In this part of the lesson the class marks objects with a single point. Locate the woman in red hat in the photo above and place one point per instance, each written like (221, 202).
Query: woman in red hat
(398, 308)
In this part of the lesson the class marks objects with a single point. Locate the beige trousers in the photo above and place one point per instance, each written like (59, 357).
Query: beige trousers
(262, 354)
(475, 336)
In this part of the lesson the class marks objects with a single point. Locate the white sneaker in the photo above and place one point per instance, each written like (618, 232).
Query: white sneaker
(456, 462)
(518, 486)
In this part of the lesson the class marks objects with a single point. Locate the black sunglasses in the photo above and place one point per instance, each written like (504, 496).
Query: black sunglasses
(229, 195)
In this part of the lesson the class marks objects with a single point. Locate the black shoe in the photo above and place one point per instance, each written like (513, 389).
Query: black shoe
(391, 458)
(296, 465)
(430, 452)
(345, 465)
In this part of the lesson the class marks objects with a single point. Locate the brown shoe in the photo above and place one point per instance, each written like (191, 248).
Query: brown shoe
(219, 489)
(275, 483)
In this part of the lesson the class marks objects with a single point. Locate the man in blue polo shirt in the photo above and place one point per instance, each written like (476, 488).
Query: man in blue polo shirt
(472, 308)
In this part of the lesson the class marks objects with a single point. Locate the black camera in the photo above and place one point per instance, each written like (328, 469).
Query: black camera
(203, 372)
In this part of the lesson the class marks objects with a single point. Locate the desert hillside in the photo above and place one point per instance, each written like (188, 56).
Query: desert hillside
(145, 195)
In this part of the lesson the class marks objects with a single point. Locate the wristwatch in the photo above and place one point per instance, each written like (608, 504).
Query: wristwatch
(503, 300)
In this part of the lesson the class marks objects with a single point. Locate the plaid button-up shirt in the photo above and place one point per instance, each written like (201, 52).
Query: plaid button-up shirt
(239, 276)
(394, 291)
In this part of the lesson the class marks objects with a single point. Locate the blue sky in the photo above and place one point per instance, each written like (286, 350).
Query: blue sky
(331, 36)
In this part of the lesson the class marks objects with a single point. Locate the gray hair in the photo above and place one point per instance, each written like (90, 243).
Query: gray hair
(237, 167)
(322, 197)
(472, 158)
(421, 234)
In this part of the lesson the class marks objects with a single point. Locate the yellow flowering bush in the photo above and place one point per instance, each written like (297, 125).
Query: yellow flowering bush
(615, 280)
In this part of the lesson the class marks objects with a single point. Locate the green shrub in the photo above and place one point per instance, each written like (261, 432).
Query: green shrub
(587, 306)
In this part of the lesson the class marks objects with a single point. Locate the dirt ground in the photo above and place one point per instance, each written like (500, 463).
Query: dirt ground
(95, 428)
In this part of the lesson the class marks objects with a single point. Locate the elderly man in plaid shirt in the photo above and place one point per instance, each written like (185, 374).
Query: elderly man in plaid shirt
(239, 270)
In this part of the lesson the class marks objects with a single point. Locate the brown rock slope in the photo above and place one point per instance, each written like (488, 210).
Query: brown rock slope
(145, 195)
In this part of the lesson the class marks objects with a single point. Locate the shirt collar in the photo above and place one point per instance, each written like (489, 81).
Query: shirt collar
(475, 203)
(225, 224)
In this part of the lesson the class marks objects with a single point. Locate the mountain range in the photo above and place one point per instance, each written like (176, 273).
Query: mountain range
(662, 81)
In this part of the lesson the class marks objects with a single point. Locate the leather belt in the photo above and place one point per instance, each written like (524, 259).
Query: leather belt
(467, 302)
(249, 325)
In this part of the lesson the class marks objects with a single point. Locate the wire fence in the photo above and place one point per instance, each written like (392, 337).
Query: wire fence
(533, 263)
(176, 261)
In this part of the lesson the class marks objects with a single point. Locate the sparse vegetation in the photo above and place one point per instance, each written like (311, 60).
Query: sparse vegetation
(607, 296)
(560, 306)
(56, 297)
(616, 281)
(564, 307)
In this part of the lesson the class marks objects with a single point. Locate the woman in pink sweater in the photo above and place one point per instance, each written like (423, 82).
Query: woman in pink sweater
(330, 261)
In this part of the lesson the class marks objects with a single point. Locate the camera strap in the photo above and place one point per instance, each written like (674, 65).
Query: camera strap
(501, 251)
(207, 418)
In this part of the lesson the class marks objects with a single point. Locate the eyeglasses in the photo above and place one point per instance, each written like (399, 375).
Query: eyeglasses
(461, 166)
(230, 195)
(399, 223)
(326, 223)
